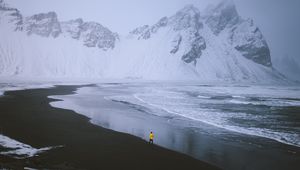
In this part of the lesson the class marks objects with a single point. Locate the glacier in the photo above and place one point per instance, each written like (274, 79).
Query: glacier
(215, 45)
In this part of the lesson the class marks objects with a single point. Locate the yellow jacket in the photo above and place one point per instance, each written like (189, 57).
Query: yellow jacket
(151, 136)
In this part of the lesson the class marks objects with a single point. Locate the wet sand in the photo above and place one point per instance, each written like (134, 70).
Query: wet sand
(26, 116)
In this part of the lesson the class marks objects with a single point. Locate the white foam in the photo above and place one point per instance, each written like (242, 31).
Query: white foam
(269, 102)
(283, 137)
(235, 101)
(28, 168)
(22, 86)
(203, 97)
(237, 96)
(20, 150)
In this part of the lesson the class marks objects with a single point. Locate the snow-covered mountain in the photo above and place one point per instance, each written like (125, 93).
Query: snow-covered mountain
(242, 34)
(214, 45)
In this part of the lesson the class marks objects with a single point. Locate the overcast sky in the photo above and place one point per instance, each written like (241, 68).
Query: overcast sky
(279, 20)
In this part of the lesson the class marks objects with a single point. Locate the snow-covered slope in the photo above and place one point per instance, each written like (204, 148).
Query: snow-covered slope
(216, 45)
(289, 67)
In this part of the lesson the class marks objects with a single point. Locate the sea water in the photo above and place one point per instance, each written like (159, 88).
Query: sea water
(270, 112)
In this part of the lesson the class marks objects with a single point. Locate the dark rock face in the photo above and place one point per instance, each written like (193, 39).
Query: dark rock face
(258, 55)
(91, 33)
(196, 51)
(176, 44)
(95, 34)
(146, 31)
(72, 28)
(248, 39)
(14, 14)
(143, 32)
(161, 23)
(44, 24)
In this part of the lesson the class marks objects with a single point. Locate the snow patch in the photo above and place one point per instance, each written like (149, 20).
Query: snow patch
(20, 150)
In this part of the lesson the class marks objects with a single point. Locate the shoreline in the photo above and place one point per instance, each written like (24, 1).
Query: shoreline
(27, 116)
(217, 146)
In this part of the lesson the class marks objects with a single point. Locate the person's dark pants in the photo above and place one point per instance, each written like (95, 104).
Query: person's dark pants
(151, 141)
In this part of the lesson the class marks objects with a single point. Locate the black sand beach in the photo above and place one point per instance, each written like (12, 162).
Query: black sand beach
(26, 116)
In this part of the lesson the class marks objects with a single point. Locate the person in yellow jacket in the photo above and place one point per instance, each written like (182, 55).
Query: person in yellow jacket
(151, 137)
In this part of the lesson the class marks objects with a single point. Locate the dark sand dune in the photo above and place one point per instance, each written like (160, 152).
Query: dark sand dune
(26, 116)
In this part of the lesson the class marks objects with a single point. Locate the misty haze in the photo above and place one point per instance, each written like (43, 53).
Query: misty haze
(195, 84)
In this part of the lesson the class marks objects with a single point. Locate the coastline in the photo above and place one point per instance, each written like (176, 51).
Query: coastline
(227, 149)
(27, 116)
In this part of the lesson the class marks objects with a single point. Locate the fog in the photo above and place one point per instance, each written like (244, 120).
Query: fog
(278, 20)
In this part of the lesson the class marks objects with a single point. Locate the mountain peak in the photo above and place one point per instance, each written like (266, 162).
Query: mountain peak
(227, 3)
(42, 16)
(186, 18)
(43, 24)
(13, 14)
(221, 16)
(189, 9)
